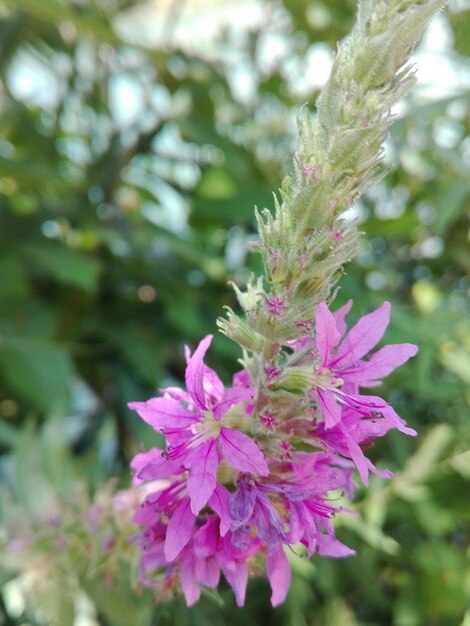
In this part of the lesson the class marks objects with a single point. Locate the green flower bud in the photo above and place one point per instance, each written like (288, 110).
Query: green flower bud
(241, 332)
(249, 299)
(295, 379)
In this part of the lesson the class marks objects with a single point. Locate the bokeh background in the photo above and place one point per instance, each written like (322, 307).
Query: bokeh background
(135, 139)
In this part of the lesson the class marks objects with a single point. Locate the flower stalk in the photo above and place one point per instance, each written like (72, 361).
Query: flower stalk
(253, 468)
(305, 242)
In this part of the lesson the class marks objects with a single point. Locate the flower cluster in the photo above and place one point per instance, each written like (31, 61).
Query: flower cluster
(254, 468)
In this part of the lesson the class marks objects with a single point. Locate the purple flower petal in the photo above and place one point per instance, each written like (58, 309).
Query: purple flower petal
(220, 503)
(212, 384)
(381, 473)
(242, 503)
(179, 530)
(208, 572)
(268, 524)
(362, 337)
(146, 515)
(195, 373)
(202, 475)
(328, 545)
(384, 411)
(241, 452)
(278, 571)
(241, 379)
(233, 395)
(160, 468)
(236, 573)
(329, 407)
(381, 363)
(164, 413)
(241, 538)
(360, 461)
(188, 580)
(397, 422)
(206, 539)
(141, 460)
(175, 393)
(326, 334)
(339, 316)
(151, 561)
(296, 523)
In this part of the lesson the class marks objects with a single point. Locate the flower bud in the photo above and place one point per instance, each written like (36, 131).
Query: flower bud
(295, 379)
(241, 332)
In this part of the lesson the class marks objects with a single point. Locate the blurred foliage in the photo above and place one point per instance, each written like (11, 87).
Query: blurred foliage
(127, 181)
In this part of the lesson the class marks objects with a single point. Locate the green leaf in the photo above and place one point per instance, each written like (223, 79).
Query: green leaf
(141, 350)
(54, 11)
(460, 22)
(38, 370)
(8, 434)
(31, 172)
(121, 609)
(23, 318)
(13, 281)
(30, 487)
(234, 208)
(409, 482)
(216, 183)
(66, 265)
(450, 204)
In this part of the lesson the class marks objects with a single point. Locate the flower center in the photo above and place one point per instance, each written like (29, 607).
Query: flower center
(210, 427)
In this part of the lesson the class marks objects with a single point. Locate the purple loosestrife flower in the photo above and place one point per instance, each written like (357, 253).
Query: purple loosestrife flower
(347, 437)
(196, 437)
(178, 551)
(344, 362)
(219, 500)
(275, 305)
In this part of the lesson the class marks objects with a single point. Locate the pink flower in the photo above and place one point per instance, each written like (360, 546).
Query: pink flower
(191, 555)
(195, 435)
(249, 505)
(275, 305)
(346, 438)
(201, 519)
(345, 364)
(268, 420)
(272, 372)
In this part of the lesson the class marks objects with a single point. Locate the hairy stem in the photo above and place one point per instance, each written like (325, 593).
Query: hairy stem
(305, 242)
